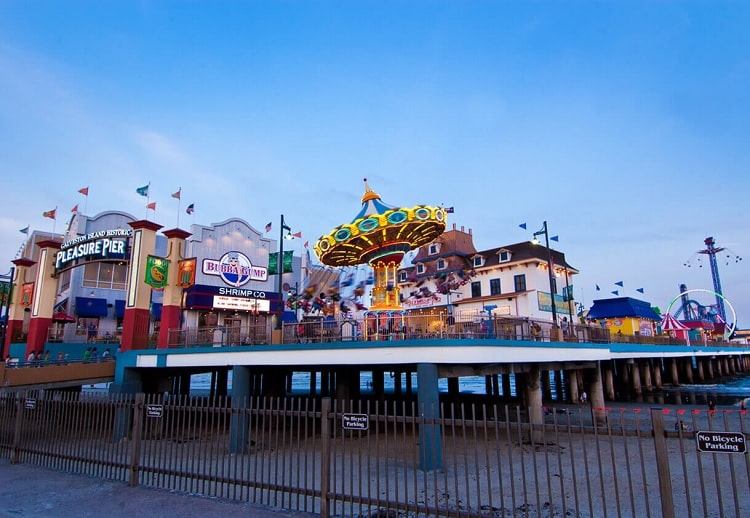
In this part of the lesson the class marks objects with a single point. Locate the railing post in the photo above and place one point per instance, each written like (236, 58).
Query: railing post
(325, 468)
(662, 463)
(135, 438)
(21, 402)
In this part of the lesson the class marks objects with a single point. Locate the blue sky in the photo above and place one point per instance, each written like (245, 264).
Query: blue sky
(622, 124)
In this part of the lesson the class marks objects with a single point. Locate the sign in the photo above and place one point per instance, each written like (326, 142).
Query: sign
(355, 421)
(104, 244)
(186, 272)
(27, 294)
(157, 269)
(155, 411)
(235, 303)
(30, 404)
(721, 442)
(544, 303)
(235, 269)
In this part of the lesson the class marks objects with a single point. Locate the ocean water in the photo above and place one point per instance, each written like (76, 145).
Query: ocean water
(729, 392)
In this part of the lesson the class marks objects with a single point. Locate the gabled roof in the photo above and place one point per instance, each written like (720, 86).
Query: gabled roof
(524, 251)
(622, 307)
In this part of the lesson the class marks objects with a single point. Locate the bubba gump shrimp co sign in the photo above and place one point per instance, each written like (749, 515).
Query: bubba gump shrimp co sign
(104, 244)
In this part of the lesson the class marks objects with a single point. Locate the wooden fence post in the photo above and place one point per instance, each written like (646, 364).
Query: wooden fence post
(21, 402)
(662, 463)
(135, 439)
(325, 468)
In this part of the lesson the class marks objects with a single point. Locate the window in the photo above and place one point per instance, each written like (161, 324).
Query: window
(441, 264)
(402, 277)
(106, 275)
(478, 261)
(519, 282)
(420, 268)
(504, 256)
(495, 287)
(476, 289)
(554, 285)
(434, 249)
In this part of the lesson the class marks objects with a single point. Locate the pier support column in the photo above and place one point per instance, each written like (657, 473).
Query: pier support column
(609, 382)
(635, 374)
(240, 400)
(657, 374)
(688, 371)
(574, 383)
(534, 402)
(710, 368)
(596, 393)
(559, 386)
(428, 402)
(646, 364)
(701, 374)
(674, 375)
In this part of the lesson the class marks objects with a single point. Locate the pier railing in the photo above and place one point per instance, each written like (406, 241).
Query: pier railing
(412, 327)
(368, 458)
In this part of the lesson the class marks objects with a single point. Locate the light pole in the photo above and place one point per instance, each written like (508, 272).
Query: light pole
(280, 266)
(549, 269)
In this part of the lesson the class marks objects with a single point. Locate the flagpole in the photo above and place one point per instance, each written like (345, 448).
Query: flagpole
(86, 203)
(54, 220)
(179, 201)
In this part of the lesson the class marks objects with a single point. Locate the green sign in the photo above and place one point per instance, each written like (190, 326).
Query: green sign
(156, 271)
(273, 262)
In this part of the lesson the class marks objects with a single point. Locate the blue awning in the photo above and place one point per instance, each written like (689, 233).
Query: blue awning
(289, 316)
(91, 307)
(156, 310)
(119, 308)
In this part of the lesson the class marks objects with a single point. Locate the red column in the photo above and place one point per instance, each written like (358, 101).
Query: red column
(44, 296)
(16, 310)
(172, 300)
(135, 321)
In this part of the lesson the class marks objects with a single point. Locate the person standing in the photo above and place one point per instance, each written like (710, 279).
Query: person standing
(711, 405)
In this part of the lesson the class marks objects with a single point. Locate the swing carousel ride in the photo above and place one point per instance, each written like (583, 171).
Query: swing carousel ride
(380, 235)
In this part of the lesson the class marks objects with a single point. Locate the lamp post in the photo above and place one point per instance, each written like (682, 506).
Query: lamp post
(280, 266)
(549, 269)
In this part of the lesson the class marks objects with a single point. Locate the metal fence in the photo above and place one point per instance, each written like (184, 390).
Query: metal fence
(370, 458)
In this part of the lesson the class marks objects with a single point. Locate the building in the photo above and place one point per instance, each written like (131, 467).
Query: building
(624, 315)
(449, 276)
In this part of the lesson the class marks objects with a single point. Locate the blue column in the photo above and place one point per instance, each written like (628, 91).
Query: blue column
(240, 400)
(127, 381)
(428, 403)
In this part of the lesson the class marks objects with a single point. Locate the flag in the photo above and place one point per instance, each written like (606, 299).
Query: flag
(143, 191)
(449, 210)
(50, 213)
(615, 292)
(151, 205)
(268, 227)
(24, 230)
(298, 235)
(177, 194)
(84, 191)
(75, 208)
(191, 208)
(619, 283)
(523, 226)
(554, 238)
(307, 243)
(597, 287)
(639, 290)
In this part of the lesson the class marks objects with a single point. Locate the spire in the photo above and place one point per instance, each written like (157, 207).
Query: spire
(369, 194)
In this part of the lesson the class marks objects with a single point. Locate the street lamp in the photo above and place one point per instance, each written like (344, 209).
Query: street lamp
(549, 268)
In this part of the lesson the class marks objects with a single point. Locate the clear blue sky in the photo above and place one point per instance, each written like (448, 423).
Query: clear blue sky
(622, 124)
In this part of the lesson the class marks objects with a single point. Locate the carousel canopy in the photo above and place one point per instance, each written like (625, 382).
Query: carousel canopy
(670, 323)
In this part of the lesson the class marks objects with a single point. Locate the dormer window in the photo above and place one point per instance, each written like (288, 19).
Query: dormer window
(503, 256)
(478, 261)
(434, 249)
(402, 277)
(420, 268)
(441, 264)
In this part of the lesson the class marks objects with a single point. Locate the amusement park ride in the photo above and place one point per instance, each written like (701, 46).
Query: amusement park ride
(712, 316)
